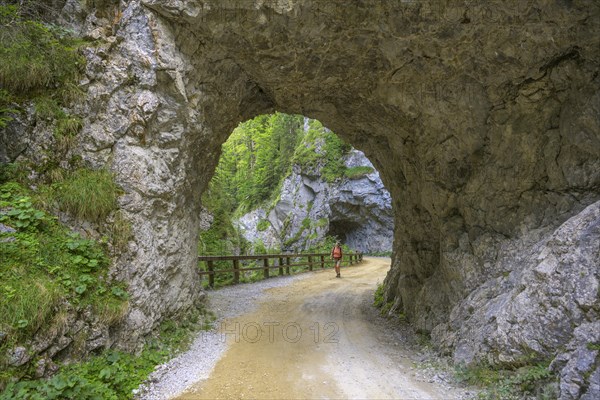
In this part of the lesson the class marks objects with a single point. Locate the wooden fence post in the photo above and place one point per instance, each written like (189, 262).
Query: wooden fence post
(310, 263)
(266, 270)
(322, 262)
(236, 272)
(287, 265)
(211, 276)
(280, 266)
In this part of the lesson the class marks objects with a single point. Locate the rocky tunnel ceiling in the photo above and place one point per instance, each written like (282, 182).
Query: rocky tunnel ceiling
(482, 118)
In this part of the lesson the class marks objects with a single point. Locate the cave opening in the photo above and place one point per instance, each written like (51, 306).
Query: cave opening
(343, 230)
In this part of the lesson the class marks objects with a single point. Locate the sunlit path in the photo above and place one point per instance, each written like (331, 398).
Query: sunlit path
(314, 339)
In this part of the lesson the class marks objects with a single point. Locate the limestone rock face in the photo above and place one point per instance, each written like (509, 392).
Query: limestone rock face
(533, 309)
(357, 211)
(482, 118)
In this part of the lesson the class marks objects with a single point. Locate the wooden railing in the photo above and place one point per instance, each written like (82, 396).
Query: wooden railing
(281, 262)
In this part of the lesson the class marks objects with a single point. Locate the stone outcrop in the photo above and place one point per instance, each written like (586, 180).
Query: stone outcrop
(357, 211)
(481, 117)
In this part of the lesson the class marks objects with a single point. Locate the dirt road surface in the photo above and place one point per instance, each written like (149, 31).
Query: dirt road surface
(316, 339)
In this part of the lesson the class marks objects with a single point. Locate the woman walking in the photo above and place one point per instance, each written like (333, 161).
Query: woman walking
(336, 254)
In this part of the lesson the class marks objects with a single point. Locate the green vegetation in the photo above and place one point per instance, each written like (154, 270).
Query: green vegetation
(357, 172)
(87, 194)
(322, 150)
(36, 58)
(259, 154)
(114, 374)
(385, 307)
(120, 231)
(263, 225)
(222, 238)
(322, 222)
(593, 346)
(499, 384)
(254, 162)
(44, 266)
(326, 246)
(255, 159)
(379, 300)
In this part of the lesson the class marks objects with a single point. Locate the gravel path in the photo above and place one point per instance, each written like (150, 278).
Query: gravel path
(384, 351)
(172, 378)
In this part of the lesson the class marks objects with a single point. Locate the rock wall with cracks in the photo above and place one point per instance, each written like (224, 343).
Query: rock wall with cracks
(356, 211)
(482, 118)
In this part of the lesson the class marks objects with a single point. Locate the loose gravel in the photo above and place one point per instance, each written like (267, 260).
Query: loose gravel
(174, 377)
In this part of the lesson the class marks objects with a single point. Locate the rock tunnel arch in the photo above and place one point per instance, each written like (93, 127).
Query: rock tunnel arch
(486, 146)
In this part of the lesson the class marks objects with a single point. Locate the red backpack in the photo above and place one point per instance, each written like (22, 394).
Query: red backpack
(337, 252)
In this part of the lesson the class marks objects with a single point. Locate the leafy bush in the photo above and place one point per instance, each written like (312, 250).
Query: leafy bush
(87, 194)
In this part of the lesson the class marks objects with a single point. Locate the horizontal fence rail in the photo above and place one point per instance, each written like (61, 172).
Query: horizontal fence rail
(281, 262)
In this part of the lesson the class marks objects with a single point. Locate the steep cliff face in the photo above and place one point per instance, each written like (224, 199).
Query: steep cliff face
(482, 119)
(357, 211)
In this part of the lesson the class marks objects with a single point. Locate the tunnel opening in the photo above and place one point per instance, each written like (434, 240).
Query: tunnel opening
(286, 183)
(343, 230)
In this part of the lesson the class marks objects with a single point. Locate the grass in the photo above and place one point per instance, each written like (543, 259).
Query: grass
(263, 225)
(593, 346)
(502, 384)
(68, 126)
(43, 267)
(39, 62)
(35, 56)
(26, 304)
(47, 108)
(357, 172)
(379, 300)
(113, 375)
(87, 194)
(322, 222)
(112, 310)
